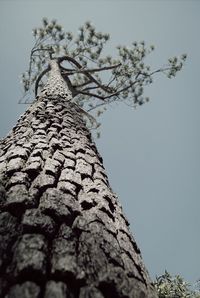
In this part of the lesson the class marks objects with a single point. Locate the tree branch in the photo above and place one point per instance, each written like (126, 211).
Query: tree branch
(69, 84)
(39, 78)
(73, 71)
(96, 95)
(70, 59)
(111, 95)
(83, 84)
(90, 88)
(97, 106)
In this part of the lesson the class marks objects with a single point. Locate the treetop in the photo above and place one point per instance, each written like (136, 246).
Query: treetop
(96, 79)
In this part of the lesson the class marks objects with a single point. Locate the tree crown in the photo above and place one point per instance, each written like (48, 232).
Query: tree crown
(95, 80)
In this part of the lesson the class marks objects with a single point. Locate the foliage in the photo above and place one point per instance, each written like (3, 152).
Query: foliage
(174, 287)
(87, 69)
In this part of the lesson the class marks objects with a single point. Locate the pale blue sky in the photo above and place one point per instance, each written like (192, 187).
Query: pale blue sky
(151, 154)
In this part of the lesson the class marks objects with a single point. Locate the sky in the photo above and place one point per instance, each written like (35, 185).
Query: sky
(151, 154)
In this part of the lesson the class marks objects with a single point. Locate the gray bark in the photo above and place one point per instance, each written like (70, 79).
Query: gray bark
(62, 229)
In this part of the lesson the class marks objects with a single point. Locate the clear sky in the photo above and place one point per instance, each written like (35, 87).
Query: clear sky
(151, 154)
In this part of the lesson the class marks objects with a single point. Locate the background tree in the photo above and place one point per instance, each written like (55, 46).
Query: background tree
(63, 232)
(174, 287)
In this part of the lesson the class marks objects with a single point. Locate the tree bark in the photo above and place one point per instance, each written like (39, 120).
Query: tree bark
(62, 229)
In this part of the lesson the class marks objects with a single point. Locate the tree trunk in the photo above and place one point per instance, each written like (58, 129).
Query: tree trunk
(62, 229)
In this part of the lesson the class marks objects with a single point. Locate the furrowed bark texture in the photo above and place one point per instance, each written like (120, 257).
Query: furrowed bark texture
(62, 229)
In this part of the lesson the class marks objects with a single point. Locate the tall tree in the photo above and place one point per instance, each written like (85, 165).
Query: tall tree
(62, 229)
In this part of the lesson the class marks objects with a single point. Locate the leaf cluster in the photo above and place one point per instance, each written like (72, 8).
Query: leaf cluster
(174, 287)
